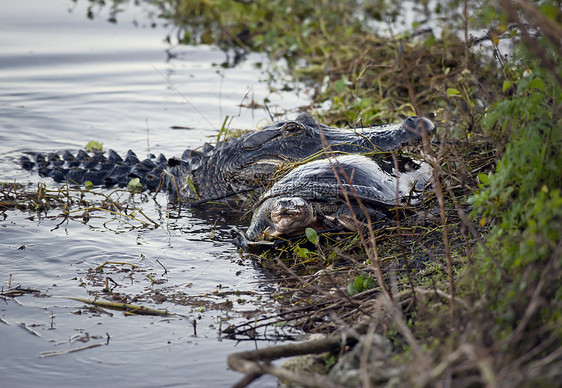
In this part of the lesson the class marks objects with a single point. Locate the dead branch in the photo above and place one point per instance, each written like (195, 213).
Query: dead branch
(256, 363)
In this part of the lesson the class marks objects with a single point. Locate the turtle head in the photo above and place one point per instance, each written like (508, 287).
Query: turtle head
(289, 215)
(280, 216)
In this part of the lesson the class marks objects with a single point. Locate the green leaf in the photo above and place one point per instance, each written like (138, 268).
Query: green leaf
(484, 179)
(135, 185)
(351, 290)
(302, 252)
(358, 283)
(88, 185)
(192, 187)
(537, 83)
(369, 283)
(451, 92)
(224, 130)
(506, 85)
(340, 85)
(94, 146)
(311, 235)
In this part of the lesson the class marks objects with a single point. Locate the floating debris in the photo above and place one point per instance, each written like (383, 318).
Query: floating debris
(129, 309)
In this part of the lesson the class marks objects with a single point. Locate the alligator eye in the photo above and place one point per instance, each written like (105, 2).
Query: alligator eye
(292, 127)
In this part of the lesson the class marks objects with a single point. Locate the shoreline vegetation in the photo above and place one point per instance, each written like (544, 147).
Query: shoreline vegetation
(465, 290)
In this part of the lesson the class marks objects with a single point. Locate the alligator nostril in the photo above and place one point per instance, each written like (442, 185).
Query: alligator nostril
(412, 122)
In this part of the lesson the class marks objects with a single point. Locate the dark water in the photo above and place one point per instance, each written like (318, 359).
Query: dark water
(66, 80)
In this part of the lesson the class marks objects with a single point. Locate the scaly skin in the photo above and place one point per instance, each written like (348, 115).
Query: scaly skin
(228, 168)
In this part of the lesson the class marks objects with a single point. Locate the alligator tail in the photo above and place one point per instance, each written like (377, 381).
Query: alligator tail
(100, 168)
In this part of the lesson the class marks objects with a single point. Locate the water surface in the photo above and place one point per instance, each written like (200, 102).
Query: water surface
(66, 80)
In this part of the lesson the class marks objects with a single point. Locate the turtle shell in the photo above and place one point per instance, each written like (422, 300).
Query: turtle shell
(373, 181)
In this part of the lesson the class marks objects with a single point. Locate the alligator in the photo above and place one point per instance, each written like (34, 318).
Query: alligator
(230, 168)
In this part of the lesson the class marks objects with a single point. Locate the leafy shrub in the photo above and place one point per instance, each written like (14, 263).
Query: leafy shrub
(523, 198)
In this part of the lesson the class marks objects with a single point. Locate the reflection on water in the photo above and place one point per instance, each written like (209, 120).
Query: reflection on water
(66, 80)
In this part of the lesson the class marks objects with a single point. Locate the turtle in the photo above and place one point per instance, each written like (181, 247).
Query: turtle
(336, 192)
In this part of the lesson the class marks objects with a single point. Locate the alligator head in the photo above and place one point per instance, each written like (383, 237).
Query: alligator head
(251, 161)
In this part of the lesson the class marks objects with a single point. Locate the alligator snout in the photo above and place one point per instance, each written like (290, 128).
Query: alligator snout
(418, 124)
